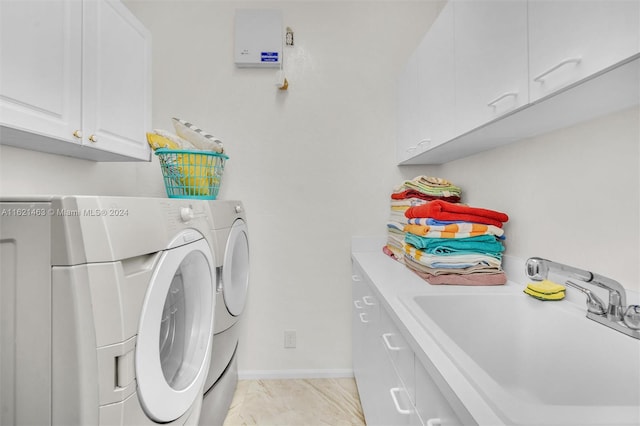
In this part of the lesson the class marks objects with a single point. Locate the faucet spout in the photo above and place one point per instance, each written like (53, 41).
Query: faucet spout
(538, 269)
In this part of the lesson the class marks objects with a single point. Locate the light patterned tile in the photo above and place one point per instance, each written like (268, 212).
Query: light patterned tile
(331, 402)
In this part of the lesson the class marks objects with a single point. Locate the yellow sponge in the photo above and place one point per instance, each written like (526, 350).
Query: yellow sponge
(546, 287)
(545, 290)
(542, 296)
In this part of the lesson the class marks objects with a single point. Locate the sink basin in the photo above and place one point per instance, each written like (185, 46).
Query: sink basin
(533, 362)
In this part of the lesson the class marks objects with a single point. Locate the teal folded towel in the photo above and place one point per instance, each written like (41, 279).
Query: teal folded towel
(486, 244)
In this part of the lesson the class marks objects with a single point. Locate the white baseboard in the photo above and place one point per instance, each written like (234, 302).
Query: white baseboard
(294, 374)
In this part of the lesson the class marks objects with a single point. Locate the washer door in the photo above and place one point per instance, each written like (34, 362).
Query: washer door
(176, 325)
(235, 268)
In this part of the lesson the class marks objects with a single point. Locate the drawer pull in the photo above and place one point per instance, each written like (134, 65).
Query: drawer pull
(357, 304)
(368, 301)
(356, 278)
(393, 392)
(388, 344)
(501, 97)
(362, 315)
(541, 76)
(434, 422)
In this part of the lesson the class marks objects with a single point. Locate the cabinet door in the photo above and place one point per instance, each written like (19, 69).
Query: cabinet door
(365, 322)
(491, 76)
(117, 80)
(571, 40)
(431, 405)
(358, 327)
(436, 83)
(40, 70)
(407, 110)
(399, 352)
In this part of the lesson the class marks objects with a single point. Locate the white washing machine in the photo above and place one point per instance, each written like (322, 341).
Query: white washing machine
(106, 308)
(229, 239)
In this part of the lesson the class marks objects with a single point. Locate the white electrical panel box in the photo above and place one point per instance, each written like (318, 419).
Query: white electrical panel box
(258, 41)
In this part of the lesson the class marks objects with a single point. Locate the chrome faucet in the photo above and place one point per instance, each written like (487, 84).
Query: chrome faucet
(615, 315)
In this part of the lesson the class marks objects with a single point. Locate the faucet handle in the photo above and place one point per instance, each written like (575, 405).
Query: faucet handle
(632, 317)
(595, 305)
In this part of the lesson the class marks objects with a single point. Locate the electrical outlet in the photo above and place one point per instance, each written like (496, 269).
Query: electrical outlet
(289, 338)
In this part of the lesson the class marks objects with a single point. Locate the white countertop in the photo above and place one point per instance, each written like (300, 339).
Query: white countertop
(394, 281)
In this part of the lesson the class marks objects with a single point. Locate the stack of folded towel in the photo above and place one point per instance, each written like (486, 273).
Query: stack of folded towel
(411, 193)
(545, 290)
(448, 243)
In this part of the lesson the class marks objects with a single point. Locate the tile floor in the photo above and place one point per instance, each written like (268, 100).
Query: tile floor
(300, 402)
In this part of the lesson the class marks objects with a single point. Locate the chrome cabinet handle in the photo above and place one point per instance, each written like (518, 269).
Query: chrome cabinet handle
(434, 422)
(393, 392)
(562, 63)
(356, 278)
(357, 304)
(362, 315)
(501, 97)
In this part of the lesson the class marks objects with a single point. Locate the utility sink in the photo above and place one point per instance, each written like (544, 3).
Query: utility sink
(533, 362)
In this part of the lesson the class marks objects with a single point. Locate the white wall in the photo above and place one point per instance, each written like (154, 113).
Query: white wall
(315, 165)
(572, 195)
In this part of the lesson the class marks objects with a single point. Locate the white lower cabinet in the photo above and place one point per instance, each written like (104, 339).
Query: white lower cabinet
(394, 387)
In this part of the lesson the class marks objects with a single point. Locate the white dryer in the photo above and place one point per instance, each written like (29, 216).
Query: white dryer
(229, 239)
(107, 307)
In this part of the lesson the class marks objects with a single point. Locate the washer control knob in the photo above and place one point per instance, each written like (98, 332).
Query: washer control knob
(186, 214)
(238, 208)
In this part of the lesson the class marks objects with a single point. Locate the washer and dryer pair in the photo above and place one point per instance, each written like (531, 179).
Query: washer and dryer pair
(108, 308)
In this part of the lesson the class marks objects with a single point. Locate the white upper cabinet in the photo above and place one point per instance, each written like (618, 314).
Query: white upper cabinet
(40, 67)
(407, 123)
(520, 68)
(491, 70)
(436, 86)
(425, 91)
(75, 79)
(572, 40)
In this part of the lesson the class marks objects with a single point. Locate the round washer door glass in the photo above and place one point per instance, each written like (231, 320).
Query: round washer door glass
(235, 269)
(174, 336)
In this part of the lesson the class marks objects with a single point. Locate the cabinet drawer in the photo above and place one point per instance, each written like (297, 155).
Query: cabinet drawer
(399, 352)
(431, 405)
